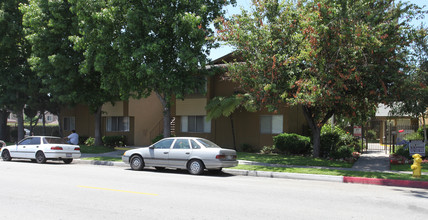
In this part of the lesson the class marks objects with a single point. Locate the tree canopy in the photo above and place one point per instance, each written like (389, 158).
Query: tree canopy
(330, 57)
(16, 77)
(164, 48)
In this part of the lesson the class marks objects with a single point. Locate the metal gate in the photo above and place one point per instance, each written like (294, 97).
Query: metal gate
(385, 134)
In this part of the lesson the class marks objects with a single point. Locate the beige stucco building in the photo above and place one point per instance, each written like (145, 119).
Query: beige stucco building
(140, 120)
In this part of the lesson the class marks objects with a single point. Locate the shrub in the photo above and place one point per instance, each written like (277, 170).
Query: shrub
(402, 151)
(292, 144)
(414, 136)
(90, 141)
(82, 139)
(421, 131)
(268, 150)
(371, 135)
(333, 138)
(114, 141)
(157, 138)
(247, 148)
(342, 152)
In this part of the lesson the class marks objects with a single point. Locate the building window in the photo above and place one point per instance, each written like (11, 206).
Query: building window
(69, 124)
(271, 124)
(49, 118)
(115, 124)
(197, 124)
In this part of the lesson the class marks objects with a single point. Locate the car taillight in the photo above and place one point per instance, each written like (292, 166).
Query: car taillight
(220, 157)
(224, 157)
(56, 148)
(77, 148)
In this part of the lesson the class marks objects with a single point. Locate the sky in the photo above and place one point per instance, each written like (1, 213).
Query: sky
(246, 4)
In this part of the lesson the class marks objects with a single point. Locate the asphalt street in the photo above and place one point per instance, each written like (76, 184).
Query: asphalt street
(81, 191)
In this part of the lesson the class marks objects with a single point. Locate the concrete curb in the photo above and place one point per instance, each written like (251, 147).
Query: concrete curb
(297, 176)
(100, 163)
(387, 182)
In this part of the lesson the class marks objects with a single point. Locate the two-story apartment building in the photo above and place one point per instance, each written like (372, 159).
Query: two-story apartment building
(141, 120)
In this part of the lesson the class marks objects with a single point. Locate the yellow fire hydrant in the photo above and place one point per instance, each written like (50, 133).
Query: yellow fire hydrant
(416, 166)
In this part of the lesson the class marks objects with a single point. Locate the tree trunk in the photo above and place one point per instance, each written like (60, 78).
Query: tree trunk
(98, 139)
(3, 125)
(233, 132)
(316, 128)
(425, 129)
(316, 138)
(61, 131)
(166, 116)
(44, 123)
(20, 116)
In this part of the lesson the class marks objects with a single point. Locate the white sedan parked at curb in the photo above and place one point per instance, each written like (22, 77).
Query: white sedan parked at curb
(191, 153)
(40, 149)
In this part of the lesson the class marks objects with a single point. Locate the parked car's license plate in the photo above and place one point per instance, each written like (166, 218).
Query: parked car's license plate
(68, 155)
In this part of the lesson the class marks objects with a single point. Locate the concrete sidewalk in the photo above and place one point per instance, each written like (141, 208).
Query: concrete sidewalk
(372, 161)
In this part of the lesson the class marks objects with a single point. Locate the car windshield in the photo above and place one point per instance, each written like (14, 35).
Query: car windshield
(53, 140)
(207, 143)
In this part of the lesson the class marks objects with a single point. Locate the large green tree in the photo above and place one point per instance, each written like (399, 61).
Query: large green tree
(100, 23)
(16, 77)
(73, 51)
(339, 57)
(414, 95)
(164, 48)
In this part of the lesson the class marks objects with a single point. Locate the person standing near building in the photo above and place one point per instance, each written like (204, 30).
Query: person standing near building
(73, 138)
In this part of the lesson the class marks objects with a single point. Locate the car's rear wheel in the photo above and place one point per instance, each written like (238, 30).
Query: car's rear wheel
(137, 162)
(6, 155)
(40, 157)
(195, 167)
(67, 161)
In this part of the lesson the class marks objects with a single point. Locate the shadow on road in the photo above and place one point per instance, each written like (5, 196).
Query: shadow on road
(184, 172)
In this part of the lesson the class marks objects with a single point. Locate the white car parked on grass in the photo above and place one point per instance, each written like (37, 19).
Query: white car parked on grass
(191, 153)
(40, 149)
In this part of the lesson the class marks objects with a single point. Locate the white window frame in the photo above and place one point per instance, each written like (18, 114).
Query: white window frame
(125, 121)
(271, 124)
(185, 124)
(70, 125)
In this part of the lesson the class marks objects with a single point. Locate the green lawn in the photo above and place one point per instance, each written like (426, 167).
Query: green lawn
(102, 158)
(291, 160)
(95, 149)
(379, 175)
(406, 167)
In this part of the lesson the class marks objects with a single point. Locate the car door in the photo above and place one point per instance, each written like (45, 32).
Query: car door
(180, 153)
(22, 149)
(33, 147)
(158, 153)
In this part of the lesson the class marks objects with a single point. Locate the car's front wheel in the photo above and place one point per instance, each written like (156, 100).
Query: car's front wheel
(67, 161)
(195, 167)
(137, 162)
(6, 155)
(40, 157)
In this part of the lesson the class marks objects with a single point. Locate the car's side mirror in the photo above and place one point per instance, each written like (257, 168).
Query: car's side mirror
(152, 147)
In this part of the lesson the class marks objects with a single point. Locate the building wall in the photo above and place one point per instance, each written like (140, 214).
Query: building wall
(148, 119)
(246, 124)
(145, 119)
(84, 121)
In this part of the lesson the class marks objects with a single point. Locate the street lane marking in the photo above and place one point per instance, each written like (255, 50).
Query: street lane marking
(118, 190)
